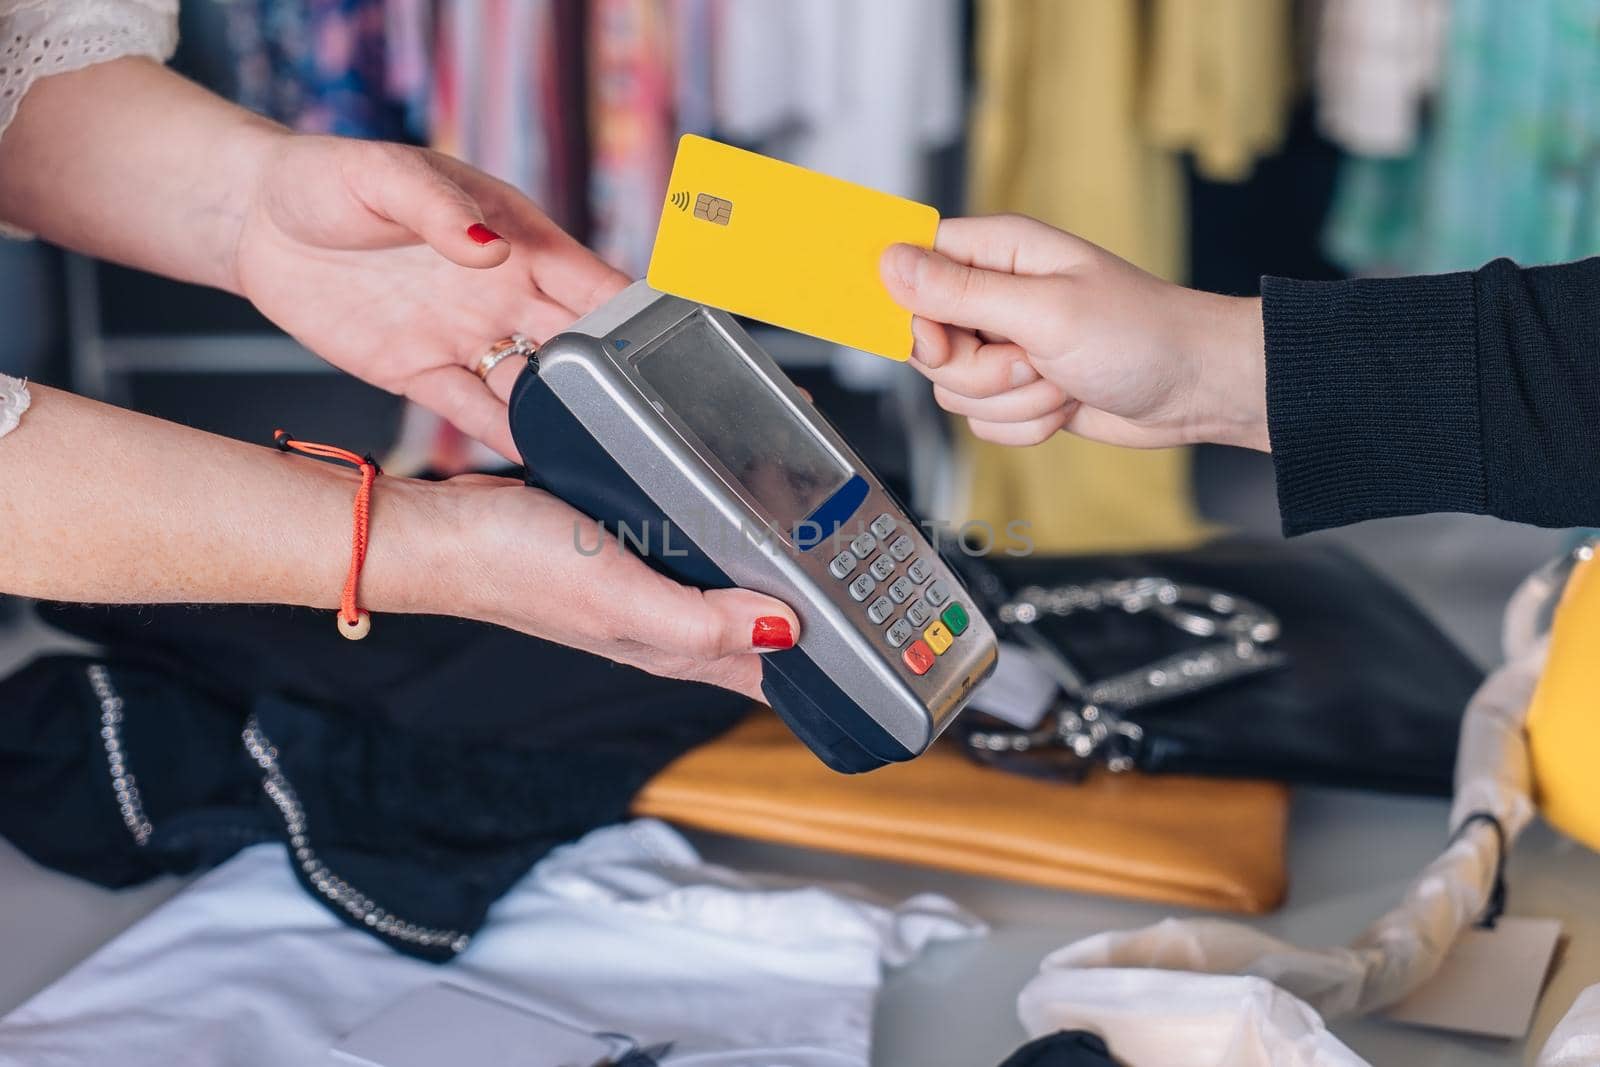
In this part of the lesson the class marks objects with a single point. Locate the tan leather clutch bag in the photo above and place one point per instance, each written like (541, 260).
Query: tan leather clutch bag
(1198, 841)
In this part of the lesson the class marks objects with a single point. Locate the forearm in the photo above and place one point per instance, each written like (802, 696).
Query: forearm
(1471, 392)
(103, 505)
(127, 161)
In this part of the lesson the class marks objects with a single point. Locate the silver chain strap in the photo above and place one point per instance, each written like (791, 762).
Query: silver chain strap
(1090, 721)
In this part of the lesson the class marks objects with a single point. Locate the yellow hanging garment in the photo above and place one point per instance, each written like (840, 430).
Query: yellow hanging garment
(1056, 128)
(1564, 720)
(1056, 135)
(1221, 81)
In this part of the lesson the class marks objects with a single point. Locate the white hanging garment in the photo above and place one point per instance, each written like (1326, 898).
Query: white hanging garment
(626, 931)
(1376, 63)
(860, 91)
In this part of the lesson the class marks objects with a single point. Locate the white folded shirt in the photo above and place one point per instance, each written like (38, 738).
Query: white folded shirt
(625, 931)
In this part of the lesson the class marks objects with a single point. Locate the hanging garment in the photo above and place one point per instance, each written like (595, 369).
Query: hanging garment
(488, 96)
(488, 101)
(408, 61)
(694, 59)
(627, 931)
(1229, 247)
(344, 71)
(632, 99)
(1056, 128)
(565, 89)
(1221, 81)
(268, 41)
(413, 780)
(1077, 495)
(1511, 164)
(1056, 133)
(1376, 63)
(864, 92)
(1202, 842)
(319, 65)
(860, 91)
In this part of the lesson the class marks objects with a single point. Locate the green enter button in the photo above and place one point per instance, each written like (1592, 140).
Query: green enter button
(955, 618)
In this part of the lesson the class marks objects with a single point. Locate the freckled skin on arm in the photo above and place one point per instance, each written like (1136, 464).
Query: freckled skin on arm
(107, 506)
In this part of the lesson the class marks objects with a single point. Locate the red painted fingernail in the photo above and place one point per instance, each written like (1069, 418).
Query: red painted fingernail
(482, 234)
(772, 631)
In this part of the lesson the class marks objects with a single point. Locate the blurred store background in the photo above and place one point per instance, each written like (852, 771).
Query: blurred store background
(1211, 143)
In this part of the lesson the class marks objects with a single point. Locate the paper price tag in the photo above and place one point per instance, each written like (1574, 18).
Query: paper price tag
(1490, 981)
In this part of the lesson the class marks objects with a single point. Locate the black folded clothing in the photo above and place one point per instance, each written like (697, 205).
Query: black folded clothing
(414, 776)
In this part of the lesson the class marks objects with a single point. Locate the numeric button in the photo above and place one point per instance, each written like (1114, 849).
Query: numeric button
(882, 567)
(879, 610)
(863, 545)
(920, 570)
(883, 526)
(901, 547)
(900, 591)
(899, 633)
(841, 565)
(918, 613)
(862, 587)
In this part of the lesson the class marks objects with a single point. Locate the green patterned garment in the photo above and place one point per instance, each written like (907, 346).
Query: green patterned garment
(1510, 164)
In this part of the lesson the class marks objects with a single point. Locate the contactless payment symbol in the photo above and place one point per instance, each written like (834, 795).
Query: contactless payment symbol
(680, 201)
(713, 209)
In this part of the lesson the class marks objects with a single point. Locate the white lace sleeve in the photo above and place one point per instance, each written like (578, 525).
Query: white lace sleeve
(41, 37)
(13, 402)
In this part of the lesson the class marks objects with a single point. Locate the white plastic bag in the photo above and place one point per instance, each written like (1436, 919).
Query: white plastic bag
(1182, 1020)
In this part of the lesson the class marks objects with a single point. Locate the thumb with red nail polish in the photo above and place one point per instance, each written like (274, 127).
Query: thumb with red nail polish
(772, 633)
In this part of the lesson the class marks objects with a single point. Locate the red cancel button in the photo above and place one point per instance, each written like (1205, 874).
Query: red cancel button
(918, 656)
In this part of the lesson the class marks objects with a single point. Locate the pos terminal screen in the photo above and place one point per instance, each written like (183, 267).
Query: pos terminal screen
(749, 428)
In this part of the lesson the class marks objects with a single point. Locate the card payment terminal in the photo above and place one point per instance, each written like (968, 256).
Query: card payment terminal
(662, 418)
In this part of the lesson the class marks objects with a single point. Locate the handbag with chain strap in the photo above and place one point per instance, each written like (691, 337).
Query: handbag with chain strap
(1241, 658)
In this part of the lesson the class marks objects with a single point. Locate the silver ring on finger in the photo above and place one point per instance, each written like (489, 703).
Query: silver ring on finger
(505, 348)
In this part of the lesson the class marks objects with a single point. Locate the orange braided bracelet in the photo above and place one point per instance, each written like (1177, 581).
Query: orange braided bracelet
(353, 622)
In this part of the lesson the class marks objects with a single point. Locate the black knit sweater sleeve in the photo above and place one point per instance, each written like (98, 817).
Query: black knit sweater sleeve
(1475, 392)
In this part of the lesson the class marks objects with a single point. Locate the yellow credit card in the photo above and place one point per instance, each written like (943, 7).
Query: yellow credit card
(785, 245)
